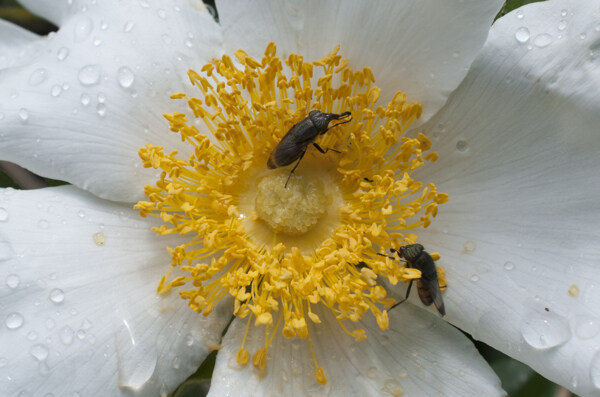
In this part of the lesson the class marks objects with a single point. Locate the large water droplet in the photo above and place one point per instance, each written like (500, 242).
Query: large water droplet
(3, 214)
(586, 327)
(543, 331)
(12, 281)
(136, 361)
(542, 40)
(595, 370)
(89, 74)
(14, 320)
(83, 28)
(38, 76)
(125, 77)
(522, 34)
(57, 295)
(39, 351)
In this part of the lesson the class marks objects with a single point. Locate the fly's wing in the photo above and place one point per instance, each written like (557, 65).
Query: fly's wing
(429, 292)
(293, 144)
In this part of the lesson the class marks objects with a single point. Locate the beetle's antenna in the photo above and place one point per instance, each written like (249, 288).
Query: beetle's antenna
(341, 116)
(387, 256)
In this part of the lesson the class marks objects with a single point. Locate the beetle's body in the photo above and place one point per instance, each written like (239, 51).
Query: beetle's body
(428, 285)
(294, 143)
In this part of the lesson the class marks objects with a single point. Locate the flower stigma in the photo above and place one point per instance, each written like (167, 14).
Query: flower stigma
(277, 250)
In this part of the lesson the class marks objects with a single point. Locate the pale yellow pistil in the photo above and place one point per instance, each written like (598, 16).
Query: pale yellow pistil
(293, 209)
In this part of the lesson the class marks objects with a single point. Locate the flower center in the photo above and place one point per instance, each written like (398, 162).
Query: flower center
(293, 209)
(281, 243)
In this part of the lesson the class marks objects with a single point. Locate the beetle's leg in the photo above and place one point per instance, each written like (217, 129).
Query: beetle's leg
(405, 297)
(320, 149)
(294, 169)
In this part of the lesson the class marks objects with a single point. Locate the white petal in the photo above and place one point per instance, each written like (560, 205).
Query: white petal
(97, 92)
(419, 355)
(79, 303)
(16, 45)
(421, 47)
(518, 144)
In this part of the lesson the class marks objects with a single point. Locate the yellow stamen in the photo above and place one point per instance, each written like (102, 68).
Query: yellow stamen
(279, 250)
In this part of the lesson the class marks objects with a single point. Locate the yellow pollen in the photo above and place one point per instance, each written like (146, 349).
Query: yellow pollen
(282, 252)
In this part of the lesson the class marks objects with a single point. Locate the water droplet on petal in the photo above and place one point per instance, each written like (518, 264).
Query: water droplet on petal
(40, 352)
(38, 76)
(3, 214)
(189, 340)
(372, 372)
(23, 114)
(474, 278)
(43, 224)
(66, 335)
(57, 295)
(3, 362)
(83, 28)
(163, 391)
(462, 146)
(136, 362)
(89, 74)
(522, 34)
(62, 53)
(519, 14)
(595, 370)
(101, 109)
(563, 12)
(14, 320)
(85, 99)
(509, 266)
(392, 387)
(128, 26)
(176, 362)
(469, 246)
(12, 281)
(162, 14)
(50, 323)
(562, 25)
(542, 40)
(582, 36)
(99, 238)
(55, 90)
(543, 331)
(125, 77)
(586, 327)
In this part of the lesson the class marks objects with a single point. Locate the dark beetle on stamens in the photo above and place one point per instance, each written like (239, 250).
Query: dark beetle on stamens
(294, 143)
(428, 286)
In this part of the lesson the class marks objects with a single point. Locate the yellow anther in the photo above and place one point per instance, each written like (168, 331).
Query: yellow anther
(243, 356)
(260, 359)
(320, 376)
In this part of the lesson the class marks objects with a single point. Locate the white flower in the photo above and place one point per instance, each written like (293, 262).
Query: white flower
(518, 237)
